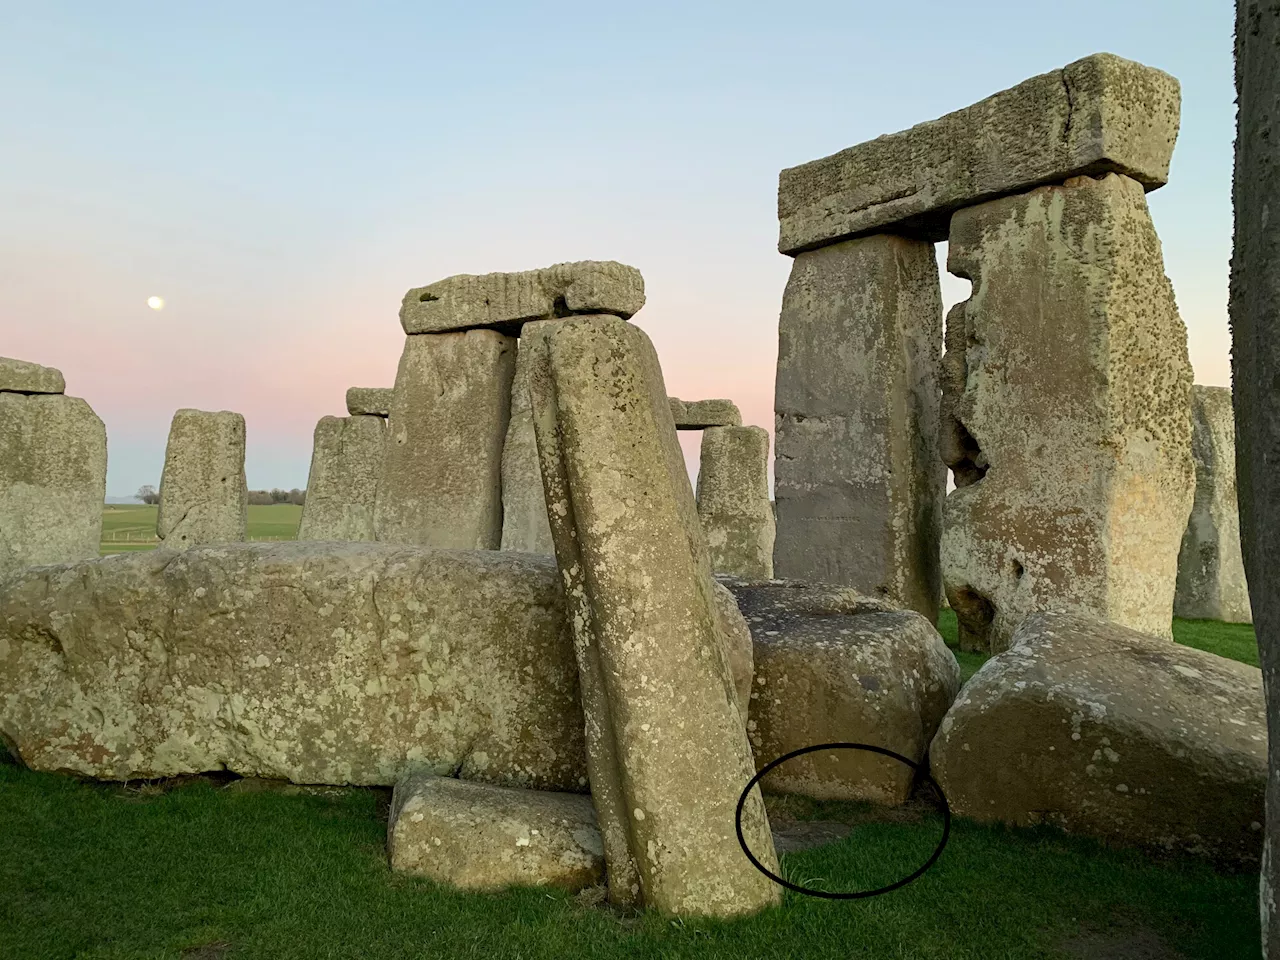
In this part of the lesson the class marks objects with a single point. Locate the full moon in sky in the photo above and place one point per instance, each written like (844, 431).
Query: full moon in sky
(155, 303)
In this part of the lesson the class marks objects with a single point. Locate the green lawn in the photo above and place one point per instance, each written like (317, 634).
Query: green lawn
(202, 871)
(133, 526)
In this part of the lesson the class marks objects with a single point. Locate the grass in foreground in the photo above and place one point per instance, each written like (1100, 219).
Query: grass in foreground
(133, 526)
(200, 871)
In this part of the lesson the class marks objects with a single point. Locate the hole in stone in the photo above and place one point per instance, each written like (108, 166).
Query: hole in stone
(972, 465)
(974, 613)
(561, 308)
(1017, 568)
(428, 298)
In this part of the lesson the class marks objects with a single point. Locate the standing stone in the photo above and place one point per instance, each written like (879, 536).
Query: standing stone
(524, 506)
(1066, 399)
(1255, 374)
(1211, 582)
(346, 458)
(666, 739)
(733, 500)
(369, 401)
(441, 479)
(53, 476)
(203, 495)
(857, 477)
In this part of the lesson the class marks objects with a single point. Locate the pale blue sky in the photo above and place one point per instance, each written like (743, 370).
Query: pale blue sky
(281, 173)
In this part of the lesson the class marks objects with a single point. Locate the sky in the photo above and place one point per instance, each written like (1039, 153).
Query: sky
(280, 173)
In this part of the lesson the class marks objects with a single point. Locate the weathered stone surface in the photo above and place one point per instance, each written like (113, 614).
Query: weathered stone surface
(1254, 308)
(203, 495)
(346, 458)
(856, 472)
(1105, 731)
(666, 740)
(313, 662)
(1094, 116)
(700, 414)
(1211, 581)
(481, 837)
(524, 507)
(53, 480)
(441, 480)
(369, 401)
(1066, 399)
(831, 666)
(506, 301)
(19, 376)
(733, 500)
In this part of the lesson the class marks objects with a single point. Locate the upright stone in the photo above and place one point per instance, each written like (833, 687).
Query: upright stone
(666, 739)
(203, 496)
(441, 479)
(1211, 582)
(733, 501)
(524, 507)
(856, 471)
(1066, 393)
(1255, 373)
(53, 473)
(346, 458)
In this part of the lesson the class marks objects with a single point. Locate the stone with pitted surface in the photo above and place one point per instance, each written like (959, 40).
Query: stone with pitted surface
(203, 496)
(19, 376)
(733, 500)
(342, 487)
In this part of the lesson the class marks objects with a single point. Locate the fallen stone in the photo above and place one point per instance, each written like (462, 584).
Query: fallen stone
(480, 837)
(441, 479)
(19, 376)
(506, 301)
(53, 480)
(858, 481)
(1098, 115)
(369, 401)
(1211, 581)
(346, 458)
(733, 500)
(701, 414)
(1066, 414)
(830, 667)
(1110, 733)
(329, 663)
(203, 496)
(666, 740)
(524, 506)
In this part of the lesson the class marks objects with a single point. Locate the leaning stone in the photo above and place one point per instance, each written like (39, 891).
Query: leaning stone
(506, 301)
(53, 480)
(700, 414)
(524, 506)
(441, 479)
(858, 481)
(1111, 733)
(1211, 581)
(337, 663)
(369, 401)
(18, 376)
(832, 667)
(1066, 399)
(1098, 115)
(733, 500)
(667, 748)
(480, 837)
(203, 495)
(346, 458)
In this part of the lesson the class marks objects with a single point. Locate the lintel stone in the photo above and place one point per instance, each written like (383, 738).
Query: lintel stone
(369, 401)
(19, 376)
(701, 414)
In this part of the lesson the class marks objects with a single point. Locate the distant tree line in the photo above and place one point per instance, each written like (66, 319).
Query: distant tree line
(148, 494)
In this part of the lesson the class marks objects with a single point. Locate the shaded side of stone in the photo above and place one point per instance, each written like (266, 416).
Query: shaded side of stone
(733, 500)
(1066, 399)
(203, 496)
(441, 479)
(701, 414)
(857, 477)
(524, 505)
(19, 376)
(342, 487)
(53, 478)
(369, 401)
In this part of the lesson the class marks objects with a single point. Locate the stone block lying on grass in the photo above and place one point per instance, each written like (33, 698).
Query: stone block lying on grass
(833, 666)
(1112, 733)
(482, 837)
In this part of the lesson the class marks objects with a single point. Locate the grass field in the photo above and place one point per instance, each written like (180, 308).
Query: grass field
(133, 526)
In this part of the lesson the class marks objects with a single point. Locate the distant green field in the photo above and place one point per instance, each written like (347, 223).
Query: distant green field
(133, 526)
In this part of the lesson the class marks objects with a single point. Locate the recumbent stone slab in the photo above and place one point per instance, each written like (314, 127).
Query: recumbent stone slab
(342, 487)
(203, 496)
(733, 500)
(19, 376)
(1096, 115)
(700, 414)
(369, 401)
(507, 301)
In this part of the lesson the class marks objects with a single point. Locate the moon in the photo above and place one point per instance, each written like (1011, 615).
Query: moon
(155, 303)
